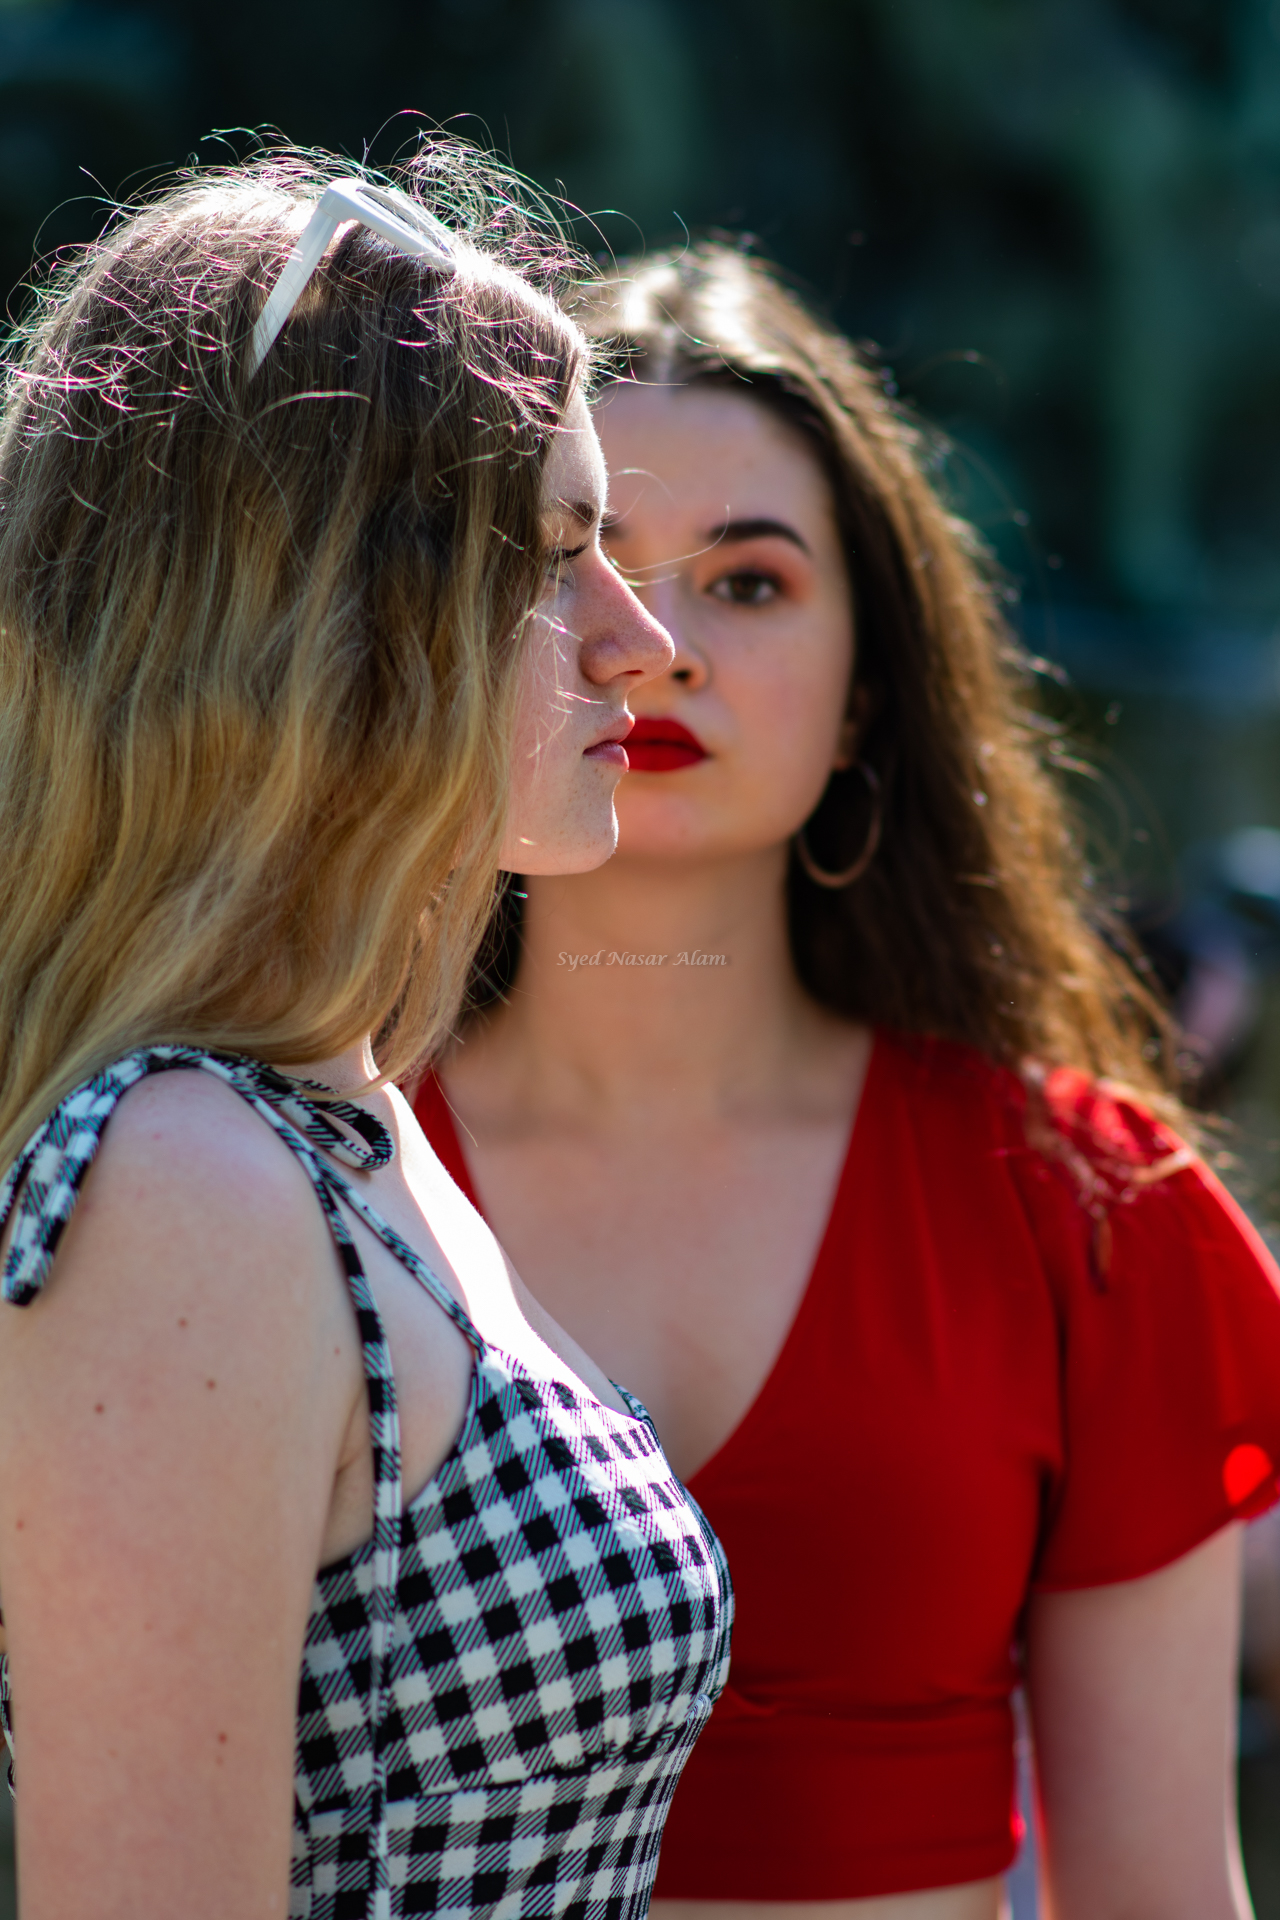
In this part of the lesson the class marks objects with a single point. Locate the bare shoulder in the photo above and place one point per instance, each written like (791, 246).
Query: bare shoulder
(193, 1346)
(184, 1161)
(188, 1136)
(194, 1214)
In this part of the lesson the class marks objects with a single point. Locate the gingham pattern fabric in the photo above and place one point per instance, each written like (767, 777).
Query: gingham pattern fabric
(499, 1690)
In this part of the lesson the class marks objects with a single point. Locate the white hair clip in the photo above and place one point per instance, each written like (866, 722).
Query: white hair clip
(392, 215)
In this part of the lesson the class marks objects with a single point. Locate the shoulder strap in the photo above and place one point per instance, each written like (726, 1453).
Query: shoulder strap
(40, 1189)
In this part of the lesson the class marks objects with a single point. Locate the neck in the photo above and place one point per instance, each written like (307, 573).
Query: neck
(652, 979)
(349, 1073)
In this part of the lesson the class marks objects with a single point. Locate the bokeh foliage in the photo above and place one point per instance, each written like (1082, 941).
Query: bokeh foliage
(1059, 218)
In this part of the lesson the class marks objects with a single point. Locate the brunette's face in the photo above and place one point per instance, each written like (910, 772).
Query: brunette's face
(590, 644)
(724, 522)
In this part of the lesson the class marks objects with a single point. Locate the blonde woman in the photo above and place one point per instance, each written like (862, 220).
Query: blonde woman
(319, 1542)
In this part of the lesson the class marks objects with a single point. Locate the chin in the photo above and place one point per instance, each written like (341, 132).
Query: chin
(580, 852)
(665, 817)
(589, 859)
(667, 835)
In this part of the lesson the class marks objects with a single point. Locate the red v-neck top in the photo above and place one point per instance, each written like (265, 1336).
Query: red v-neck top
(984, 1394)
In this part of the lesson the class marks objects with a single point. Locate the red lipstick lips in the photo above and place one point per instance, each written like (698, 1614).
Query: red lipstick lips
(662, 746)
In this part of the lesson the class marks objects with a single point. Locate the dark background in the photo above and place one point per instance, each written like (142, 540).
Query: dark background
(1058, 219)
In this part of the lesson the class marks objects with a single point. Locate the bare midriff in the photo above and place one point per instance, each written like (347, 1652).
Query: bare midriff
(980, 1900)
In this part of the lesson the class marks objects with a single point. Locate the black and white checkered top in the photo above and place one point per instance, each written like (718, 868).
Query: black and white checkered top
(499, 1690)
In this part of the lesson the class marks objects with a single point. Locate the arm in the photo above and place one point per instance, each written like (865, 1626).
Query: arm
(1262, 1606)
(171, 1414)
(1132, 1691)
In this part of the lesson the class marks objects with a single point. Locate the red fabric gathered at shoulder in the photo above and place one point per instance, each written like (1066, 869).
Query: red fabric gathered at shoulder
(1112, 1146)
(1170, 1308)
(1113, 1130)
(1168, 1302)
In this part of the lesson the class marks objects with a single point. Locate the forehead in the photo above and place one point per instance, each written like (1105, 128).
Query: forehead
(676, 451)
(575, 475)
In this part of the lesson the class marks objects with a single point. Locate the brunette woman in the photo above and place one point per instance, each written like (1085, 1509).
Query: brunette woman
(316, 1536)
(827, 1113)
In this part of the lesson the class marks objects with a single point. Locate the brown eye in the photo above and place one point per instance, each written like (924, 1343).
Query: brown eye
(746, 588)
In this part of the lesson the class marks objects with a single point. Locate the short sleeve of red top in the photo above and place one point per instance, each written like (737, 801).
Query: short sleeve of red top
(984, 1394)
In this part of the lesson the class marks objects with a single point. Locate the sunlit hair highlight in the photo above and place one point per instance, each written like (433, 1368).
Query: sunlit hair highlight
(259, 637)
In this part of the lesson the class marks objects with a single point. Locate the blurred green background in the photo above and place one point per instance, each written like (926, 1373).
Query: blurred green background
(1059, 221)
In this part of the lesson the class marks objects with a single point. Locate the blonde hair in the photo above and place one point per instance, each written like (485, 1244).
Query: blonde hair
(259, 637)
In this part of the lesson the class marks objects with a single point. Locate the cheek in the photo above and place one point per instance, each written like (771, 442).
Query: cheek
(533, 733)
(540, 693)
(790, 709)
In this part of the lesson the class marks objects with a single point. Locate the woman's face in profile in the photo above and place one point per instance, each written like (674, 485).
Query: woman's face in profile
(725, 524)
(590, 643)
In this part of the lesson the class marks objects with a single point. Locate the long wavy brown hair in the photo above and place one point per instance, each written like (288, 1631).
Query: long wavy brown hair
(977, 919)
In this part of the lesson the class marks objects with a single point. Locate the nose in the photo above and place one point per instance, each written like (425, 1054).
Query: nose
(689, 666)
(621, 640)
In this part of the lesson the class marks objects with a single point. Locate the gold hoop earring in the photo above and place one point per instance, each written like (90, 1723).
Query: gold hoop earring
(834, 881)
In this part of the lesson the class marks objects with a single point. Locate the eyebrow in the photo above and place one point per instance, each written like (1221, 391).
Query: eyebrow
(584, 510)
(735, 530)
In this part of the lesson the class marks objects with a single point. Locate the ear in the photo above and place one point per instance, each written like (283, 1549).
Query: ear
(846, 746)
(852, 728)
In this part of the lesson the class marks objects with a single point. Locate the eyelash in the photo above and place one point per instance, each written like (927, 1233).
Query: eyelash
(562, 556)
